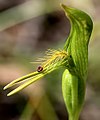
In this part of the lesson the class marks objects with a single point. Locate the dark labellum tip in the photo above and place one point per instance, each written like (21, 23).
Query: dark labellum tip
(40, 68)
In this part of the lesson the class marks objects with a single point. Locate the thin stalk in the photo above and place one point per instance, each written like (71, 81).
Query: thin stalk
(74, 87)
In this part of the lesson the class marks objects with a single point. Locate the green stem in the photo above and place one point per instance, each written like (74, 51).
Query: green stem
(71, 117)
(70, 88)
(74, 91)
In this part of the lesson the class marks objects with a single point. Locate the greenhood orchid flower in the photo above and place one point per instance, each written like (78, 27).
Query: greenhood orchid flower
(74, 57)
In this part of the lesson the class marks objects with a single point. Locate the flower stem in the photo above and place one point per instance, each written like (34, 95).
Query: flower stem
(74, 91)
(71, 117)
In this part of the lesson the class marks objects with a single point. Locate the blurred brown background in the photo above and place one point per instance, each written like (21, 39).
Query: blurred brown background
(27, 29)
